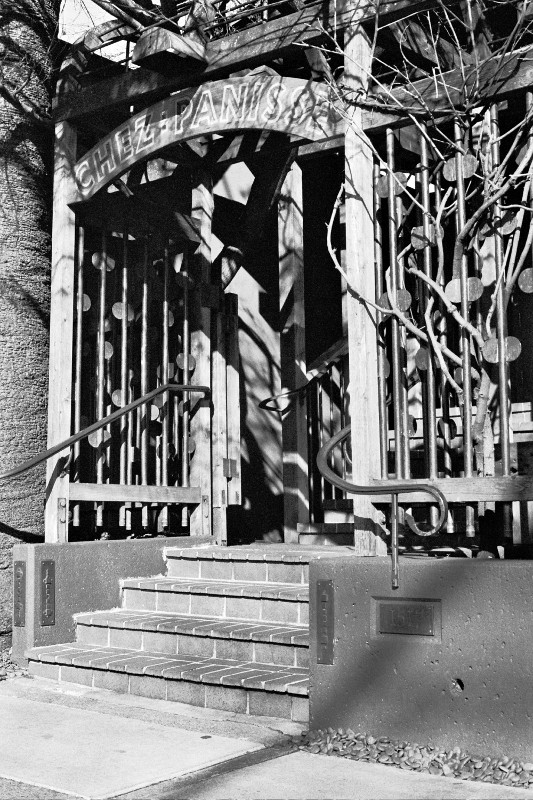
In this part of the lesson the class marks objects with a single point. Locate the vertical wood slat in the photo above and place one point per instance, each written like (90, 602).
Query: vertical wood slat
(233, 421)
(219, 431)
(165, 407)
(465, 335)
(380, 319)
(292, 346)
(125, 422)
(144, 411)
(186, 347)
(361, 320)
(501, 332)
(78, 357)
(200, 335)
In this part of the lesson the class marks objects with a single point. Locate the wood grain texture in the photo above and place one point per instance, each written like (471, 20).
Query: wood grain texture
(292, 345)
(200, 332)
(123, 493)
(363, 388)
(61, 328)
(462, 490)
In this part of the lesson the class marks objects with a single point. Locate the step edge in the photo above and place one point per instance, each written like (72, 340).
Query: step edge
(65, 662)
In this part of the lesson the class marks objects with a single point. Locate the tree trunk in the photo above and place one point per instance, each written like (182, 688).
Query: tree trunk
(28, 29)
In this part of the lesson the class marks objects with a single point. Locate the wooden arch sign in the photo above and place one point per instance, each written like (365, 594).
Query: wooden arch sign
(303, 109)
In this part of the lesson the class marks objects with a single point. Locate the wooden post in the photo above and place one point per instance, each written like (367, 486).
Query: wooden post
(61, 332)
(361, 319)
(233, 398)
(219, 434)
(200, 272)
(292, 347)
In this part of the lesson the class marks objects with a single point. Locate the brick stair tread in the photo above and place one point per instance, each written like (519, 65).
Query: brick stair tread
(215, 671)
(211, 627)
(259, 552)
(269, 591)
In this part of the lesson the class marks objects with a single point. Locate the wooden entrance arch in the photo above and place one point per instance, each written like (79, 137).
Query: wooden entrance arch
(82, 356)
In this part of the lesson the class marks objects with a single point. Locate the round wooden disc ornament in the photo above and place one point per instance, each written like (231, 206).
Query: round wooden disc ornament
(180, 362)
(419, 239)
(399, 184)
(449, 171)
(513, 349)
(96, 437)
(118, 311)
(86, 302)
(403, 300)
(474, 288)
(98, 259)
(116, 397)
(447, 429)
(422, 359)
(525, 280)
(108, 350)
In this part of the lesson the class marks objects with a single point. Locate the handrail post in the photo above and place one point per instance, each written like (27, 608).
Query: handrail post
(394, 542)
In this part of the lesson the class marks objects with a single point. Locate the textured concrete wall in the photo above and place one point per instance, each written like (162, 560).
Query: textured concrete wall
(469, 686)
(87, 579)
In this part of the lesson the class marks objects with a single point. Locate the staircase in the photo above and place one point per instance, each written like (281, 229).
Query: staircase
(226, 628)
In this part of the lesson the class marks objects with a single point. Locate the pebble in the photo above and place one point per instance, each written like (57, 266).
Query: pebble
(454, 763)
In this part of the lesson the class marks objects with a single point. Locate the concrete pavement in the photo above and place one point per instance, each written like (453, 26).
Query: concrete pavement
(61, 741)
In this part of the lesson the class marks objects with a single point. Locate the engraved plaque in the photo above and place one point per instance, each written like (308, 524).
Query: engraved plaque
(408, 618)
(325, 625)
(48, 593)
(19, 594)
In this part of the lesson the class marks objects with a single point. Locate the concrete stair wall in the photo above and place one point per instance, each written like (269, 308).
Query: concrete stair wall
(226, 628)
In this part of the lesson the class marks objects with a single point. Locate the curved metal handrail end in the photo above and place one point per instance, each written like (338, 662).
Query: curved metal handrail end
(392, 487)
(264, 404)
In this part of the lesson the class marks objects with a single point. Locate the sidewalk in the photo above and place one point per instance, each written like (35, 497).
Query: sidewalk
(72, 741)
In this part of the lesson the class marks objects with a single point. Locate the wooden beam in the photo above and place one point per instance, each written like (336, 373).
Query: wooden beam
(122, 493)
(250, 47)
(61, 332)
(292, 345)
(497, 78)
(468, 490)
(219, 434)
(233, 398)
(362, 343)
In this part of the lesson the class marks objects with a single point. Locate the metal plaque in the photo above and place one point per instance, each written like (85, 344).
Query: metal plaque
(19, 594)
(325, 624)
(411, 618)
(48, 592)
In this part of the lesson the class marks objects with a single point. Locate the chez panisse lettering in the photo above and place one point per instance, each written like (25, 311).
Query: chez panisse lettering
(297, 107)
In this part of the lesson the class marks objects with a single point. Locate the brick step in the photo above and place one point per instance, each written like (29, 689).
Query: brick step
(280, 602)
(260, 562)
(266, 564)
(209, 637)
(229, 684)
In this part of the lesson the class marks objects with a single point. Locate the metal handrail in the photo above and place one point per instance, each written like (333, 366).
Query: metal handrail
(57, 448)
(393, 488)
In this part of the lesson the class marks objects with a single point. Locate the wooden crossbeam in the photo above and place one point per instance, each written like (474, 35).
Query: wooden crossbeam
(468, 490)
(117, 493)
(247, 48)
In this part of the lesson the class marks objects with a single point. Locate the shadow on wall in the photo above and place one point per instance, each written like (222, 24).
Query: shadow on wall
(261, 445)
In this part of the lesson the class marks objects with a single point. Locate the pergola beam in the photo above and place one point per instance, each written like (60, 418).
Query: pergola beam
(244, 49)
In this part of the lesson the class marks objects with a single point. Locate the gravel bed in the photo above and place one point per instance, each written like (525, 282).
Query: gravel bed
(9, 668)
(454, 763)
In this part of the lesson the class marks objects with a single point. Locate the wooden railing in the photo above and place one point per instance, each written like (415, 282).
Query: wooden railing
(108, 492)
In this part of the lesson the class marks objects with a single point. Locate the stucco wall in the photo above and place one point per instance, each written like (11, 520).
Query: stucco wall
(467, 685)
(87, 578)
